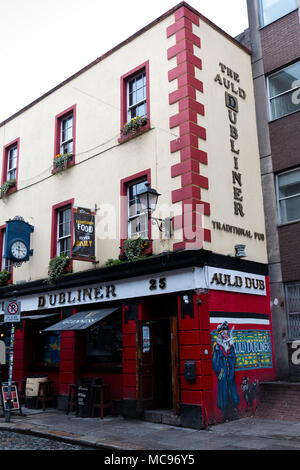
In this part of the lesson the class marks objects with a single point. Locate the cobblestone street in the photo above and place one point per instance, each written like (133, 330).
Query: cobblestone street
(18, 441)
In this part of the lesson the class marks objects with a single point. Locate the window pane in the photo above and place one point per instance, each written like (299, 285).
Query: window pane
(274, 9)
(66, 131)
(137, 227)
(290, 209)
(64, 232)
(289, 184)
(284, 79)
(137, 94)
(6, 263)
(284, 105)
(293, 309)
(141, 110)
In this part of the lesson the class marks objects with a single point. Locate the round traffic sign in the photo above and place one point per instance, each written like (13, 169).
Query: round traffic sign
(13, 308)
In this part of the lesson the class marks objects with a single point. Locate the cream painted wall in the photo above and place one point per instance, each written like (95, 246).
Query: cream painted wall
(101, 162)
(215, 49)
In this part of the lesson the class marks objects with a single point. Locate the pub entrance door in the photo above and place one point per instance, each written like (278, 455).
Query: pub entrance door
(158, 364)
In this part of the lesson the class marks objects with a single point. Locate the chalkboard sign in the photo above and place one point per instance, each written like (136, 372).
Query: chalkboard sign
(85, 396)
(16, 406)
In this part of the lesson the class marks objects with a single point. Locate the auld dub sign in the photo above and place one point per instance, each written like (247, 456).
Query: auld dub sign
(84, 231)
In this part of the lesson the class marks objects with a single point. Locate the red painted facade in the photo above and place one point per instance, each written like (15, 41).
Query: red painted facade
(189, 131)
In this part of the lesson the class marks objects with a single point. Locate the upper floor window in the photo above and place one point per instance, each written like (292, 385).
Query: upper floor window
(272, 10)
(10, 165)
(135, 101)
(137, 219)
(136, 97)
(288, 196)
(12, 157)
(64, 227)
(284, 91)
(65, 137)
(66, 134)
(5, 264)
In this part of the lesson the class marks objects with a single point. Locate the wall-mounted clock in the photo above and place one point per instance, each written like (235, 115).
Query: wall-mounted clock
(19, 250)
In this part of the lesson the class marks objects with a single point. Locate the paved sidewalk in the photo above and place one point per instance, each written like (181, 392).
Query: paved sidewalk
(117, 433)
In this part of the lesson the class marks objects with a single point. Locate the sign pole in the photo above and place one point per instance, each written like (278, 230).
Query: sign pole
(12, 314)
(8, 405)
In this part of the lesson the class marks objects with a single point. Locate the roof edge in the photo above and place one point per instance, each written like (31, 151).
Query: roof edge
(119, 46)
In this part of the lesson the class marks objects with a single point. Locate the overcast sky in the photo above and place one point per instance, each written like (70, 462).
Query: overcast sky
(43, 42)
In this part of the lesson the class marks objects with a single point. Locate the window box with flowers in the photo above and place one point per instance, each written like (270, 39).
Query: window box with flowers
(134, 127)
(4, 277)
(57, 267)
(62, 161)
(134, 250)
(7, 187)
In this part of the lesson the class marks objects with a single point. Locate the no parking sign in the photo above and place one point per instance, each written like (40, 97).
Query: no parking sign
(12, 312)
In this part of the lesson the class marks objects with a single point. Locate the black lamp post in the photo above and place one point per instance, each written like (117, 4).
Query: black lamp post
(147, 199)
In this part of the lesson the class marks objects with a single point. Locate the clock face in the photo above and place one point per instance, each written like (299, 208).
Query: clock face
(19, 250)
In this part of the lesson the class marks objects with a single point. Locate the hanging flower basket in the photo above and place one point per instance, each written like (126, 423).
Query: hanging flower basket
(4, 277)
(4, 189)
(62, 160)
(57, 267)
(134, 125)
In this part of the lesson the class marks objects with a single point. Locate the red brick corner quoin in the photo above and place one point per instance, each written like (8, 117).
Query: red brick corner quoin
(186, 122)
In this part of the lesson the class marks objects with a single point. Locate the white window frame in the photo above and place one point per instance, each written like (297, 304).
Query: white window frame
(261, 13)
(6, 264)
(11, 172)
(279, 199)
(66, 143)
(290, 90)
(61, 239)
(131, 217)
(138, 103)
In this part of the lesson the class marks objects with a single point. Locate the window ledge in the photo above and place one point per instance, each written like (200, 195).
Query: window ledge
(9, 192)
(293, 222)
(277, 19)
(282, 117)
(132, 135)
(60, 170)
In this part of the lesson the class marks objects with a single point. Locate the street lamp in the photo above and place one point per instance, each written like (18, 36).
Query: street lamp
(147, 198)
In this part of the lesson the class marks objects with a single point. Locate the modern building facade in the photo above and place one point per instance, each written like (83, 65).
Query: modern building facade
(167, 303)
(274, 33)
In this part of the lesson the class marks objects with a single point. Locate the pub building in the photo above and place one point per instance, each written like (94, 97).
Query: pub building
(157, 284)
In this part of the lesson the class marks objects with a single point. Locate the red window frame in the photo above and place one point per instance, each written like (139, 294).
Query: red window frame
(55, 210)
(57, 134)
(123, 93)
(2, 230)
(124, 183)
(6, 148)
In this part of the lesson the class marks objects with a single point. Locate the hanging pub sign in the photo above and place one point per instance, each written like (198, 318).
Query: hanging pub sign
(84, 234)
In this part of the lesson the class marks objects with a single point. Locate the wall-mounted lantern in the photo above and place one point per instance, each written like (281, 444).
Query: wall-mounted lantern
(147, 198)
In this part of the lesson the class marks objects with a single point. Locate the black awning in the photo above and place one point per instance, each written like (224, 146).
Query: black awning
(82, 320)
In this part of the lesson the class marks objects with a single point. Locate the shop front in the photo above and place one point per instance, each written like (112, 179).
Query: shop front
(190, 335)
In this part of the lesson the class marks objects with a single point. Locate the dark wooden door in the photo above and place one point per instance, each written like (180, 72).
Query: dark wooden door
(175, 364)
(146, 371)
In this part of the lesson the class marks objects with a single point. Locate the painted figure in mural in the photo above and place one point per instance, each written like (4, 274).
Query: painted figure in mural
(223, 363)
(250, 394)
